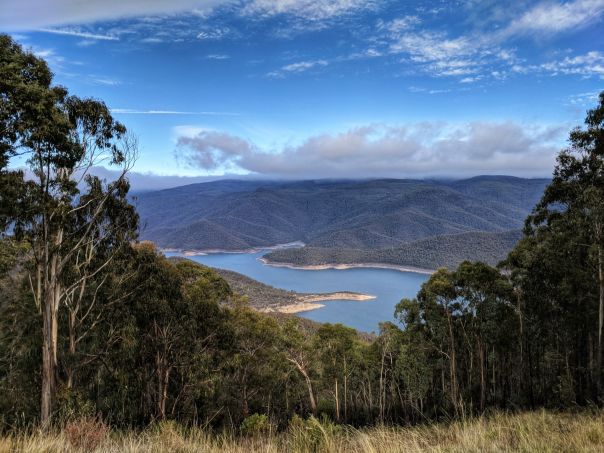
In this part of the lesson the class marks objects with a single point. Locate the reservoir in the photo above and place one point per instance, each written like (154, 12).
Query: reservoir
(388, 285)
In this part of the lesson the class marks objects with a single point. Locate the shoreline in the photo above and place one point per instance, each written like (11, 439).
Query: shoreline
(309, 302)
(318, 267)
(309, 267)
(200, 252)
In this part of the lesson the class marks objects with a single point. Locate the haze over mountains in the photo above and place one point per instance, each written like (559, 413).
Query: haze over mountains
(401, 218)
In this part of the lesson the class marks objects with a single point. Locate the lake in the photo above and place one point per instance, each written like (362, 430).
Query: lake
(388, 285)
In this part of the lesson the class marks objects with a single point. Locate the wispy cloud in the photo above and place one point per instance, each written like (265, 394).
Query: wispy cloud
(584, 99)
(78, 33)
(296, 68)
(105, 81)
(56, 62)
(214, 33)
(587, 65)
(555, 17)
(480, 55)
(32, 14)
(217, 56)
(398, 25)
(168, 112)
(415, 89)
(439, 55)
(313, 10)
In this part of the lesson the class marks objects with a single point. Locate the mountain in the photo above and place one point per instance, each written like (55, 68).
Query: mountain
(393, 216)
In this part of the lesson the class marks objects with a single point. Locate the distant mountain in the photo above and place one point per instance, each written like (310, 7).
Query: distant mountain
(353, 215)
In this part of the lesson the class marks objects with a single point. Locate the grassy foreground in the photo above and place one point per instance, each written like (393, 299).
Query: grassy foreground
(527, 432)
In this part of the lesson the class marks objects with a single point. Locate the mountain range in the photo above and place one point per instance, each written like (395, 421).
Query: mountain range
(397, 220)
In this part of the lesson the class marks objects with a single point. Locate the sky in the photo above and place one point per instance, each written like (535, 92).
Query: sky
(328, 88)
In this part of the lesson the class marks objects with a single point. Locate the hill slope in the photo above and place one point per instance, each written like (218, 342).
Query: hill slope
(365, 215)
(431, 253)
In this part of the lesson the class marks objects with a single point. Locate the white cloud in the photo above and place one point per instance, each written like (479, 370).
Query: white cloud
(481, 55)
(79, 34)
(398, 25)
(588, 99)
(33, 14)
(213, 33)
(167, 112)
(105, 81)
(587, 65)
(415, 89)
(152, 40)
(470, 79)
(314, 10)
(441, 56)
(426, 149)
(294, 68)
(55, 61)
(217, 56)
(554, 17)
(214, 149)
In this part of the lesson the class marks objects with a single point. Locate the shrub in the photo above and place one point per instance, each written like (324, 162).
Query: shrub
(312, 434)
(255, 425)
(169, 434)
(86, 433)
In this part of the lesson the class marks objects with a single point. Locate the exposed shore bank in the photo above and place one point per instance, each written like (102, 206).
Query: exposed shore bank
(310, 267)
(316, 267)
(200, 252)
(308, 302)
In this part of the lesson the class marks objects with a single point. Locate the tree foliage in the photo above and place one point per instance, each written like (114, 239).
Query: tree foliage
(94, 323)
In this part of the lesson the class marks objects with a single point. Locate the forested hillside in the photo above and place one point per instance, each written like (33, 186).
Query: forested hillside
(268, 299)
(376, 214)
(437, 251)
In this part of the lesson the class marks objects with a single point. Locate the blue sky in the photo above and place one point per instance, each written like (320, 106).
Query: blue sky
(317, 88)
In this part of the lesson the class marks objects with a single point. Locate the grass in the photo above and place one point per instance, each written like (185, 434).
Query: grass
(540, 431)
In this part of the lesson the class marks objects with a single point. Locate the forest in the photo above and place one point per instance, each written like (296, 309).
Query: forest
(448, 250)
(97, 325)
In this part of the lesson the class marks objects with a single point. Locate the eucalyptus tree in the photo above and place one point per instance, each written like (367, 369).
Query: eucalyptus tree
(57, 206)
(572, 209)
(335, 345)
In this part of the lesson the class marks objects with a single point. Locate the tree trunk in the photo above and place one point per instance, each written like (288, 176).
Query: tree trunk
(301, 368)
(50, 329)
(311, 395)
(481, 351)
(453, 365)
(345, 392)
(49, 359)
(600, 319)
(163, 379)
(337, 402)
(72, 349)
(382, 391)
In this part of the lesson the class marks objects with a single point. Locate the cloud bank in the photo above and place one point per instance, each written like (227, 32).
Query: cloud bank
(50, 13)
(420, 150)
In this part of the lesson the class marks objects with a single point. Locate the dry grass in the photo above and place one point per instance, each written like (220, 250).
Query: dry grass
(528, 432)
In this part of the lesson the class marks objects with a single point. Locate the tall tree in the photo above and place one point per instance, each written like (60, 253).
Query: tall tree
(60, 138)
(573, 206)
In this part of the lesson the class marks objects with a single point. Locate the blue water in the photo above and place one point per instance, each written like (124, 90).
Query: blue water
(388, 285)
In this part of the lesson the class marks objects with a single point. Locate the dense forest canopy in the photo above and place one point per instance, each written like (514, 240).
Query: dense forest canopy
(93, 322)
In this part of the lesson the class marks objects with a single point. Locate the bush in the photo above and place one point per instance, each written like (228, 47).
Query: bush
(312, 434)
(169, 434)
(86, 433)
(255, 425)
